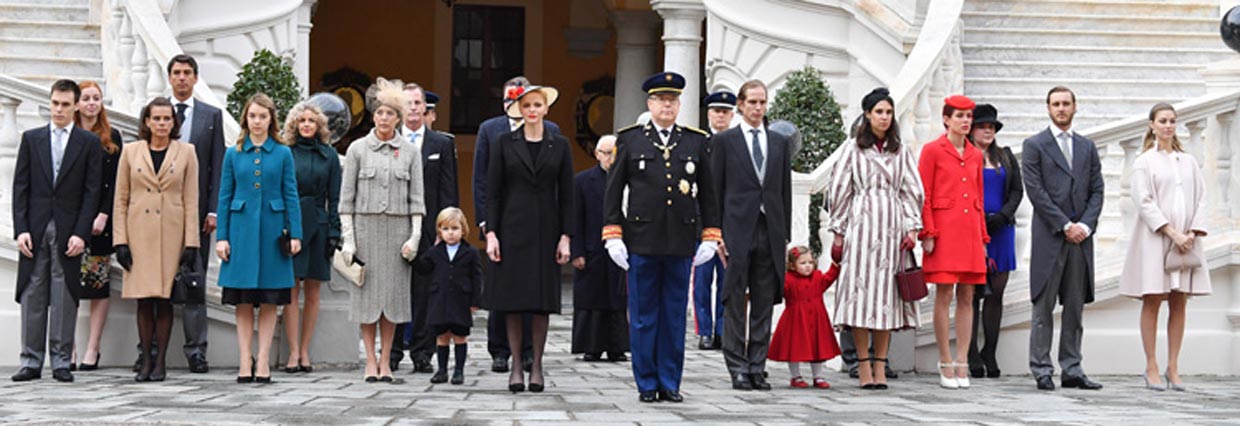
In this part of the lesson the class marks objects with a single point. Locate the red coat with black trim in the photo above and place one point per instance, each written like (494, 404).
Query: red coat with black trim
(954, 213)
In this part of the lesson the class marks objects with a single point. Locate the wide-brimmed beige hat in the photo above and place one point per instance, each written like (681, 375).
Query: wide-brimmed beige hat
(514, 109)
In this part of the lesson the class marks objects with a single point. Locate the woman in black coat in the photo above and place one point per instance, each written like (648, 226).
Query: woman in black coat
(1003, 193)
(530, 181)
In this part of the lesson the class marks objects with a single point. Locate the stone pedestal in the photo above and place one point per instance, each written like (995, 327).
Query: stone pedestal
(682, 51)
(636, 50)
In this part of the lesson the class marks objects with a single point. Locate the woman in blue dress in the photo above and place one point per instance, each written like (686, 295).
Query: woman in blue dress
(1002, 195)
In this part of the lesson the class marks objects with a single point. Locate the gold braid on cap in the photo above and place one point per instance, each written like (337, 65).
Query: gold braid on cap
(390, 93)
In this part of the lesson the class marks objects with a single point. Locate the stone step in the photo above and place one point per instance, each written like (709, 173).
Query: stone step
(21, 64)
(49, 29)
(1035, 103)
(976, 48)
(986, 19)
(46, 80)
(32, 46)
(1072, 70)
(1074, 37)
(1201, 9)
(45, 12)
(49, 2)
(1084, 87)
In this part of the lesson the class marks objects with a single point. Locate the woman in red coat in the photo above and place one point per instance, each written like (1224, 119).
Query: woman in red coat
(954, 235)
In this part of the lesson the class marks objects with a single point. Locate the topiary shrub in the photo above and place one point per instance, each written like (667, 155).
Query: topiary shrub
(806, 101)
(267, 73)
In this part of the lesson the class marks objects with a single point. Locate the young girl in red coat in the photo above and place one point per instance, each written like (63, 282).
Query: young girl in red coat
(804, 333)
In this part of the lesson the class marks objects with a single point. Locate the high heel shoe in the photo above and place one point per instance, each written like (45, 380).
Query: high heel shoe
(1178, 387)
(866, 386)
(158, 374)
(90, 367)
(961, 381)
(518, 386)
(250, 378)
(1151, 386)
(948, 382)
(880, 385)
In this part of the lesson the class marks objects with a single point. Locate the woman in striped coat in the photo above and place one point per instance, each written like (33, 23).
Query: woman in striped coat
(875, 200)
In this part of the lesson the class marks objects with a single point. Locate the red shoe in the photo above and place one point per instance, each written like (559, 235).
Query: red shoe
(798, 382)
(821, 383)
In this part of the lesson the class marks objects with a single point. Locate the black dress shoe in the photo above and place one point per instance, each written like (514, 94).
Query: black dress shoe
(977, 372)
(704, 343)
(891, 374)
(137, 364)
(499, 364)
(671, 396)
(394, 364)
(527, 363)
(992, 373)
(759, 382)
(62, 375)
(741, 382)
(423, 366)
(716, 343)
(1079, 382)
(853, 373)
(198, 364)
(72, 367)
(648, 396)
(440, 376)
(458, 377)
(27, 374)
(1045, 383)
(591, 357)
(616, 357)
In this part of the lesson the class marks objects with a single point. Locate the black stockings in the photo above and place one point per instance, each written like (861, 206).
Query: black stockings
(154, 329)
(538, 326)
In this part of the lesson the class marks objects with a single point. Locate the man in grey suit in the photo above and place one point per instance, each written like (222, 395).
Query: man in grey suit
(206, 132)
(1063, 178)
(56, 187)
(753, 176)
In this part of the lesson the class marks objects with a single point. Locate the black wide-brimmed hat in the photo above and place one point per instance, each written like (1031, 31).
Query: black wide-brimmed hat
(986, 113)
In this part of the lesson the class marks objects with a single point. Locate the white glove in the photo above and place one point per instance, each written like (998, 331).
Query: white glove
(410, 249)
(706, 252)
(618, 252)
(348, 247)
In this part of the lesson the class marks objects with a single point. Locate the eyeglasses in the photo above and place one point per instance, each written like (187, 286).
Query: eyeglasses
(665, 100)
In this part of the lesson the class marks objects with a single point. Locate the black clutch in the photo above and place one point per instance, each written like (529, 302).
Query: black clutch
(286, 244)
(189, 285)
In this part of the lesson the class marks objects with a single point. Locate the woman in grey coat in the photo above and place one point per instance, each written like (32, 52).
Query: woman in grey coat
(381, 209)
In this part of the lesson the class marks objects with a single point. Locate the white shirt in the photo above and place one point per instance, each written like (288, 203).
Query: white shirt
(64, 145)
(514, 123)
(417, 140)
(188, 124)
(746, 129)
(452, 248)
(659, 131)
(1055, 133)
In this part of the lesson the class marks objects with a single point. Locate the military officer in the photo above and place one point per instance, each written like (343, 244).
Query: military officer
(670, 198)
(708, 315)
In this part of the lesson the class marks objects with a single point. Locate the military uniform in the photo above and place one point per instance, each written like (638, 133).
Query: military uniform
(708, 316)
(671, 197)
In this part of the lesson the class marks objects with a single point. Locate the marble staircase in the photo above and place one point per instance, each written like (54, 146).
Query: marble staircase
(45, 40)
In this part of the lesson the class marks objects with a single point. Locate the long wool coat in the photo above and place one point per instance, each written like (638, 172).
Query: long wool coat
(875, 199)
(156, 215)
(953, 214)
(258, 201)
(1168, 190)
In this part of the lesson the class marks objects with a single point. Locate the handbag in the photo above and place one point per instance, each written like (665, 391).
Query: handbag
(286, 244)
(189, 284)
(353, 269)
(910, 280)
(1176, 261)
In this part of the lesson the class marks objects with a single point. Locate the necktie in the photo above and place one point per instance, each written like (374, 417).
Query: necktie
(757, 152)
(1065, 144)
(666, 134)
(58, 151)
(181, 107)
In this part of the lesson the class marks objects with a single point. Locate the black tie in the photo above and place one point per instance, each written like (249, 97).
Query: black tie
(181, 107)
(757, 151)
(665, 133)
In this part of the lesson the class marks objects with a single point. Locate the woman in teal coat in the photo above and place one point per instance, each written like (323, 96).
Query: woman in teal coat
(259, 204)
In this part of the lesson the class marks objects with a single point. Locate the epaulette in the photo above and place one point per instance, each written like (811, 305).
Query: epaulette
(625, 129)
(449, 135)
(696, 130)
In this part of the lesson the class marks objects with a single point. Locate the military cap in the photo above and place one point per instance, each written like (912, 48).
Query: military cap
(431, 99)
(720, 99)
(664, 82)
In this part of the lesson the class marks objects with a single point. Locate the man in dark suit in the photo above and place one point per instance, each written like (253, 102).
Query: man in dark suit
(599, 322)
(492, 130)
(206, 132)
(440, 191)
(1063, 178)
(753, 169)
(56, 187)
(661, 227)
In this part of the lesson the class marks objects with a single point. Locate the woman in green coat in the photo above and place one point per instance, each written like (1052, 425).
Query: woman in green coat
(318, 184)
(259, 205)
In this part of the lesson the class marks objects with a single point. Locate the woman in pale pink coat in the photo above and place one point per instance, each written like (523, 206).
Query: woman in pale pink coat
(1169, 192)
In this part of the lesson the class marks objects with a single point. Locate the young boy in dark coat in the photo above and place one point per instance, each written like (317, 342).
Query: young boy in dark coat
(455, 290)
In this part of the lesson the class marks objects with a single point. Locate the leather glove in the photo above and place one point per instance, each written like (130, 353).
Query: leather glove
(837, 253)
(705, 252)
(124, 257)
(333, 244)
(994, 221)
(187, 257)
(618, 252)
(348, 248)
(415, 237)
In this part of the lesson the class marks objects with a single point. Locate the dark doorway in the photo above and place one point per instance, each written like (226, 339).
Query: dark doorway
(488, 47)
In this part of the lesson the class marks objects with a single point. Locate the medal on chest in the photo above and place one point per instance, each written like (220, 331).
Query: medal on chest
(690, 167)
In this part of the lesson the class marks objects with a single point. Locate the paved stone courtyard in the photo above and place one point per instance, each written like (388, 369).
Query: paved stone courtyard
(596, 393)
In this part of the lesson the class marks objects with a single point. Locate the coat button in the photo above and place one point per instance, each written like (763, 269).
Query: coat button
(966, 195)
(668, 164)
(669, 176)
(669, 189)
(964, 179)
(961, 164)
(258, 161)
(966, 211)
(669, 202)
(258, 173)
(257, 185)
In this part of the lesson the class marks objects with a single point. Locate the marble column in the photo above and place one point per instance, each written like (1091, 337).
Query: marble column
(636, 50)
(682, 51)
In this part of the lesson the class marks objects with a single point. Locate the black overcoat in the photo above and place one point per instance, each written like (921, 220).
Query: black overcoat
(601, 284)
(453, 286)
(101, 245)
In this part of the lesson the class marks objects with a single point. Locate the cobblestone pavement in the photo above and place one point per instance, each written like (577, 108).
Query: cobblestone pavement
(597, 393)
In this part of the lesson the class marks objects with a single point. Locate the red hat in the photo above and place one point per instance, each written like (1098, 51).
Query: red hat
(959, 102)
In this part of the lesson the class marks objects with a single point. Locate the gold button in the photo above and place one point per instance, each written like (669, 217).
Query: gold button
(669, 202)
(256, 185)
(669, 176)
(668, 164)
(669, 189)
(258, 161)
(258, 173)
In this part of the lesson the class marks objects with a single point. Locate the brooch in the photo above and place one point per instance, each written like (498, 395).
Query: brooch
(684, 187)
